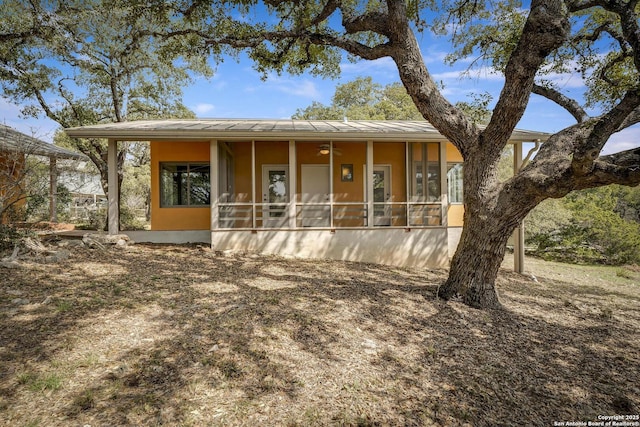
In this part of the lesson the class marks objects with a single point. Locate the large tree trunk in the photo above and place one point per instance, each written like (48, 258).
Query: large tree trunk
(475, 265)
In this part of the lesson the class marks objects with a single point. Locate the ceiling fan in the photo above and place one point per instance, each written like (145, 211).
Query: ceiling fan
(325, 149)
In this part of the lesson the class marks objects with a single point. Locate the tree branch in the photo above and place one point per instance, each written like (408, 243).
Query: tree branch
(21, 36)
(579, 5)
(630, 28)
(546, 28)
(327, 10)
(587, 150)
(42, 101)
(621, 168)
(571, 105)
(632, 119)
(403, 48)
(551, 173)
(376, 22)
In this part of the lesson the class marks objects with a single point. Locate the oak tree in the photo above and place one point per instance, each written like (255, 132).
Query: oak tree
(83, 62)
(598, 38)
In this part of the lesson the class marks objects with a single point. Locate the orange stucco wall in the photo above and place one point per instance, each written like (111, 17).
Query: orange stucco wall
(176, 218)
(455, 213)
(277, 152)
(242, 168)
(453, 155)
(354, 154)
(390, 153)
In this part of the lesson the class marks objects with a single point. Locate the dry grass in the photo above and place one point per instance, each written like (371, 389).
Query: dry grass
(174, 335)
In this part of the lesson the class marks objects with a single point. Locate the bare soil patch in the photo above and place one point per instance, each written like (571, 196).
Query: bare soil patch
(45, 226)
(175, 335)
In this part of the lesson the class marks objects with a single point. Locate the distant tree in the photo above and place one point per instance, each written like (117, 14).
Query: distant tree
(355, 100)
(319, 111)
(596, 213)
(478, 108)
(362, 99)
(546, 219)
(599, 224)
(92, 61)
(12, 184)
(396, 104)
(137, 188)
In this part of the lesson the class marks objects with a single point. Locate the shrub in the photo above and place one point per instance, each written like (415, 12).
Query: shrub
(9, 235)
(599, 225)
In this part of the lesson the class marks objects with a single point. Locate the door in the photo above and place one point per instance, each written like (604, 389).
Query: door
(275, 195)
(315, 189)
(381, 195)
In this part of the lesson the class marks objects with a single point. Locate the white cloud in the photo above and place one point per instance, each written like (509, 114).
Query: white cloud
(566, 80)
(203, 108)
(486, 74)
(384, 66)
(8, 108)
(302, 87)
(435, 57)
(624, 140)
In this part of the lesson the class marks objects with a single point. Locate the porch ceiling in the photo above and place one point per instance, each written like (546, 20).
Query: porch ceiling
(248, 129)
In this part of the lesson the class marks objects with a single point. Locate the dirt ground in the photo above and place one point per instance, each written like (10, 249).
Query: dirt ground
(181, 336)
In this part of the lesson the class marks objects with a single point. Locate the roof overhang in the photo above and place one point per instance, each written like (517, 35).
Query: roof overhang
(12, 140)
(256, 129)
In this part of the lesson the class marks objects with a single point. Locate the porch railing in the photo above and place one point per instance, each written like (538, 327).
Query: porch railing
(329, 215)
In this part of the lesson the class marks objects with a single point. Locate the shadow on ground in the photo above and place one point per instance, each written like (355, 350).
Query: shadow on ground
(164, 335)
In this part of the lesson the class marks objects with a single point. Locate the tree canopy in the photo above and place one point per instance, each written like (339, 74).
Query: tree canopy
(362, 99)
(89, 62)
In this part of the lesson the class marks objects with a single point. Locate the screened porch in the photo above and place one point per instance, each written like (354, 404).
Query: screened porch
(325, 184)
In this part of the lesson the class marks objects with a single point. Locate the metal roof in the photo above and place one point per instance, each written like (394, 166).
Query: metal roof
(268, 129)
(12, 140)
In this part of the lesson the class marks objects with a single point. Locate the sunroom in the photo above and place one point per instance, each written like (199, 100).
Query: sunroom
(375, 191)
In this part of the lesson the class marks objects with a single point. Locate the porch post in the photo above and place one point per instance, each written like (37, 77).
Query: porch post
(214, 179)
(444, 185)
(369, 183)
(407, 183)
(53, 190)
(254, 211)
(113, 196)
(330, 184)
(518, 233)
(292, 184)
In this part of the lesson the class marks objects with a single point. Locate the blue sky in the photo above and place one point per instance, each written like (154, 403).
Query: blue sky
(237, 91)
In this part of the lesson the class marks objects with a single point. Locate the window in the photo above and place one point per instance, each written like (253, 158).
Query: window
(425, 156)
(185, 184)
(454, 182)
(433, 181)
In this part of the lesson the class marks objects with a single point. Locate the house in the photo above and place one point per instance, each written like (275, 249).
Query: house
(15, 147)
(376, 191)
(82, 180)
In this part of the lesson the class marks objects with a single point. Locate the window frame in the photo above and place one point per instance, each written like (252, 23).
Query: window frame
(451, 166)
(163, 202)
